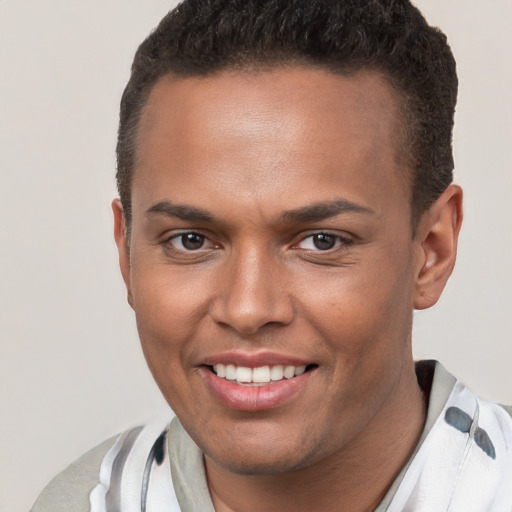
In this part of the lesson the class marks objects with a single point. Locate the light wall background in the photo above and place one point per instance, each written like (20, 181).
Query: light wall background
(71, 370)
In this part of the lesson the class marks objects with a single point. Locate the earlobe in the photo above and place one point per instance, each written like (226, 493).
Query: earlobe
(120, 235)
(436, 241)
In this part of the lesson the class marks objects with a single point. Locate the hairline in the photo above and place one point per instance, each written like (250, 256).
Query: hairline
(404, 119)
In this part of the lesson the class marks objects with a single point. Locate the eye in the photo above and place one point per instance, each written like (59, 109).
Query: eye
(189, 241)
(323, 242)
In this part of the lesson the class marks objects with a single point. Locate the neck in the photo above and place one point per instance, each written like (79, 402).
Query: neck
(353, 479)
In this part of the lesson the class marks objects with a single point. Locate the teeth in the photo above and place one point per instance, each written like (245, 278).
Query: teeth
(243, 374)
(276, 372)
(230, 372)
(289, 372)
(259, 375)
(300, 370)
(220, 370)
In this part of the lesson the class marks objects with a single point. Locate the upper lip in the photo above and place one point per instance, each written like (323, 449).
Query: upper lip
(255, 359)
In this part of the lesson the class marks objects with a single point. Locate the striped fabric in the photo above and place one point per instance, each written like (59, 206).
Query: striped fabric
(135, 475)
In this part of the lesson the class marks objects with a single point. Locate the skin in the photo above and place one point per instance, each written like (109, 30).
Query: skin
(245, 148)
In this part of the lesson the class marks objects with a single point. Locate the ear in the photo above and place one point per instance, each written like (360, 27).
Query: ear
(123, 248)
(436, 246)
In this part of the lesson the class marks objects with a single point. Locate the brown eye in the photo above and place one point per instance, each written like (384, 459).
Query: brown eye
(188, 241)
(192, 241)
(323, 241)
(318, 242)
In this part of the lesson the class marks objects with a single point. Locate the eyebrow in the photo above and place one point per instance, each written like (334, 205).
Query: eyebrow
(310, 213)
(180, 211)
(324, 210)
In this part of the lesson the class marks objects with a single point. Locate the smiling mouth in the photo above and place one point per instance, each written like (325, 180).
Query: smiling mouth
(259, 376)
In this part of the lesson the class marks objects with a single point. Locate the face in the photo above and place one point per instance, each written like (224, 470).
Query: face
(271, 264)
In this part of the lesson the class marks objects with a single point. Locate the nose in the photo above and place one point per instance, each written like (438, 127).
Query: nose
(252, 293)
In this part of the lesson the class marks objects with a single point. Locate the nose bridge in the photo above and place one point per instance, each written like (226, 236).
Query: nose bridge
(251, 293)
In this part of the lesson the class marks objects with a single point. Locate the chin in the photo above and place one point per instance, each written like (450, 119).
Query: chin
(265, 458)
(258, 466)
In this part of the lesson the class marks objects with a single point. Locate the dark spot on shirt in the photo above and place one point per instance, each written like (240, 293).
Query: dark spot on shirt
(460, 420)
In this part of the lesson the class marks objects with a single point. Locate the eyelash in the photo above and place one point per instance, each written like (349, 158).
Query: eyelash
(168, 242)
(340, 242)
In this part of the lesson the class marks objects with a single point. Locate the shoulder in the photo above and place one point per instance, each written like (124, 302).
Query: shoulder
(69, 490)
(508, 409)
(116, 475)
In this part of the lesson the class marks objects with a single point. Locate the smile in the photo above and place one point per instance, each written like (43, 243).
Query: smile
(259, 388)
(257, 376)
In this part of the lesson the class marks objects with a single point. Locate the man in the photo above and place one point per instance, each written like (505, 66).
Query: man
(286, 201)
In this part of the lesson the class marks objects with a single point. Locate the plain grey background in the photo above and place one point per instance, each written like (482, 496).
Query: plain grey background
(71, 370)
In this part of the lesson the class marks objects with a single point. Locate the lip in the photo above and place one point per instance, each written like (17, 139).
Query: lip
(254, 360)
(254, 398)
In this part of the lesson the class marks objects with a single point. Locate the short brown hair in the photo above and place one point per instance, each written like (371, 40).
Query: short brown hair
(200, 37)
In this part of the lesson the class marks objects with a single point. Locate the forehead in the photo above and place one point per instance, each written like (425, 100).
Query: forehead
(261, 133)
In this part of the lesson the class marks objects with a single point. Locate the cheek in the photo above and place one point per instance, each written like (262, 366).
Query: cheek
(363, 309)
(166, 323)
(170, 308)
(168, 301)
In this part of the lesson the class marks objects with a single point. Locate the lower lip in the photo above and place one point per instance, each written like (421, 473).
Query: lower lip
(254, 398)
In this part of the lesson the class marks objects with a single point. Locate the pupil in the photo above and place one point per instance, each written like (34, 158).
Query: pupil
(323, 241)
(192, 241)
